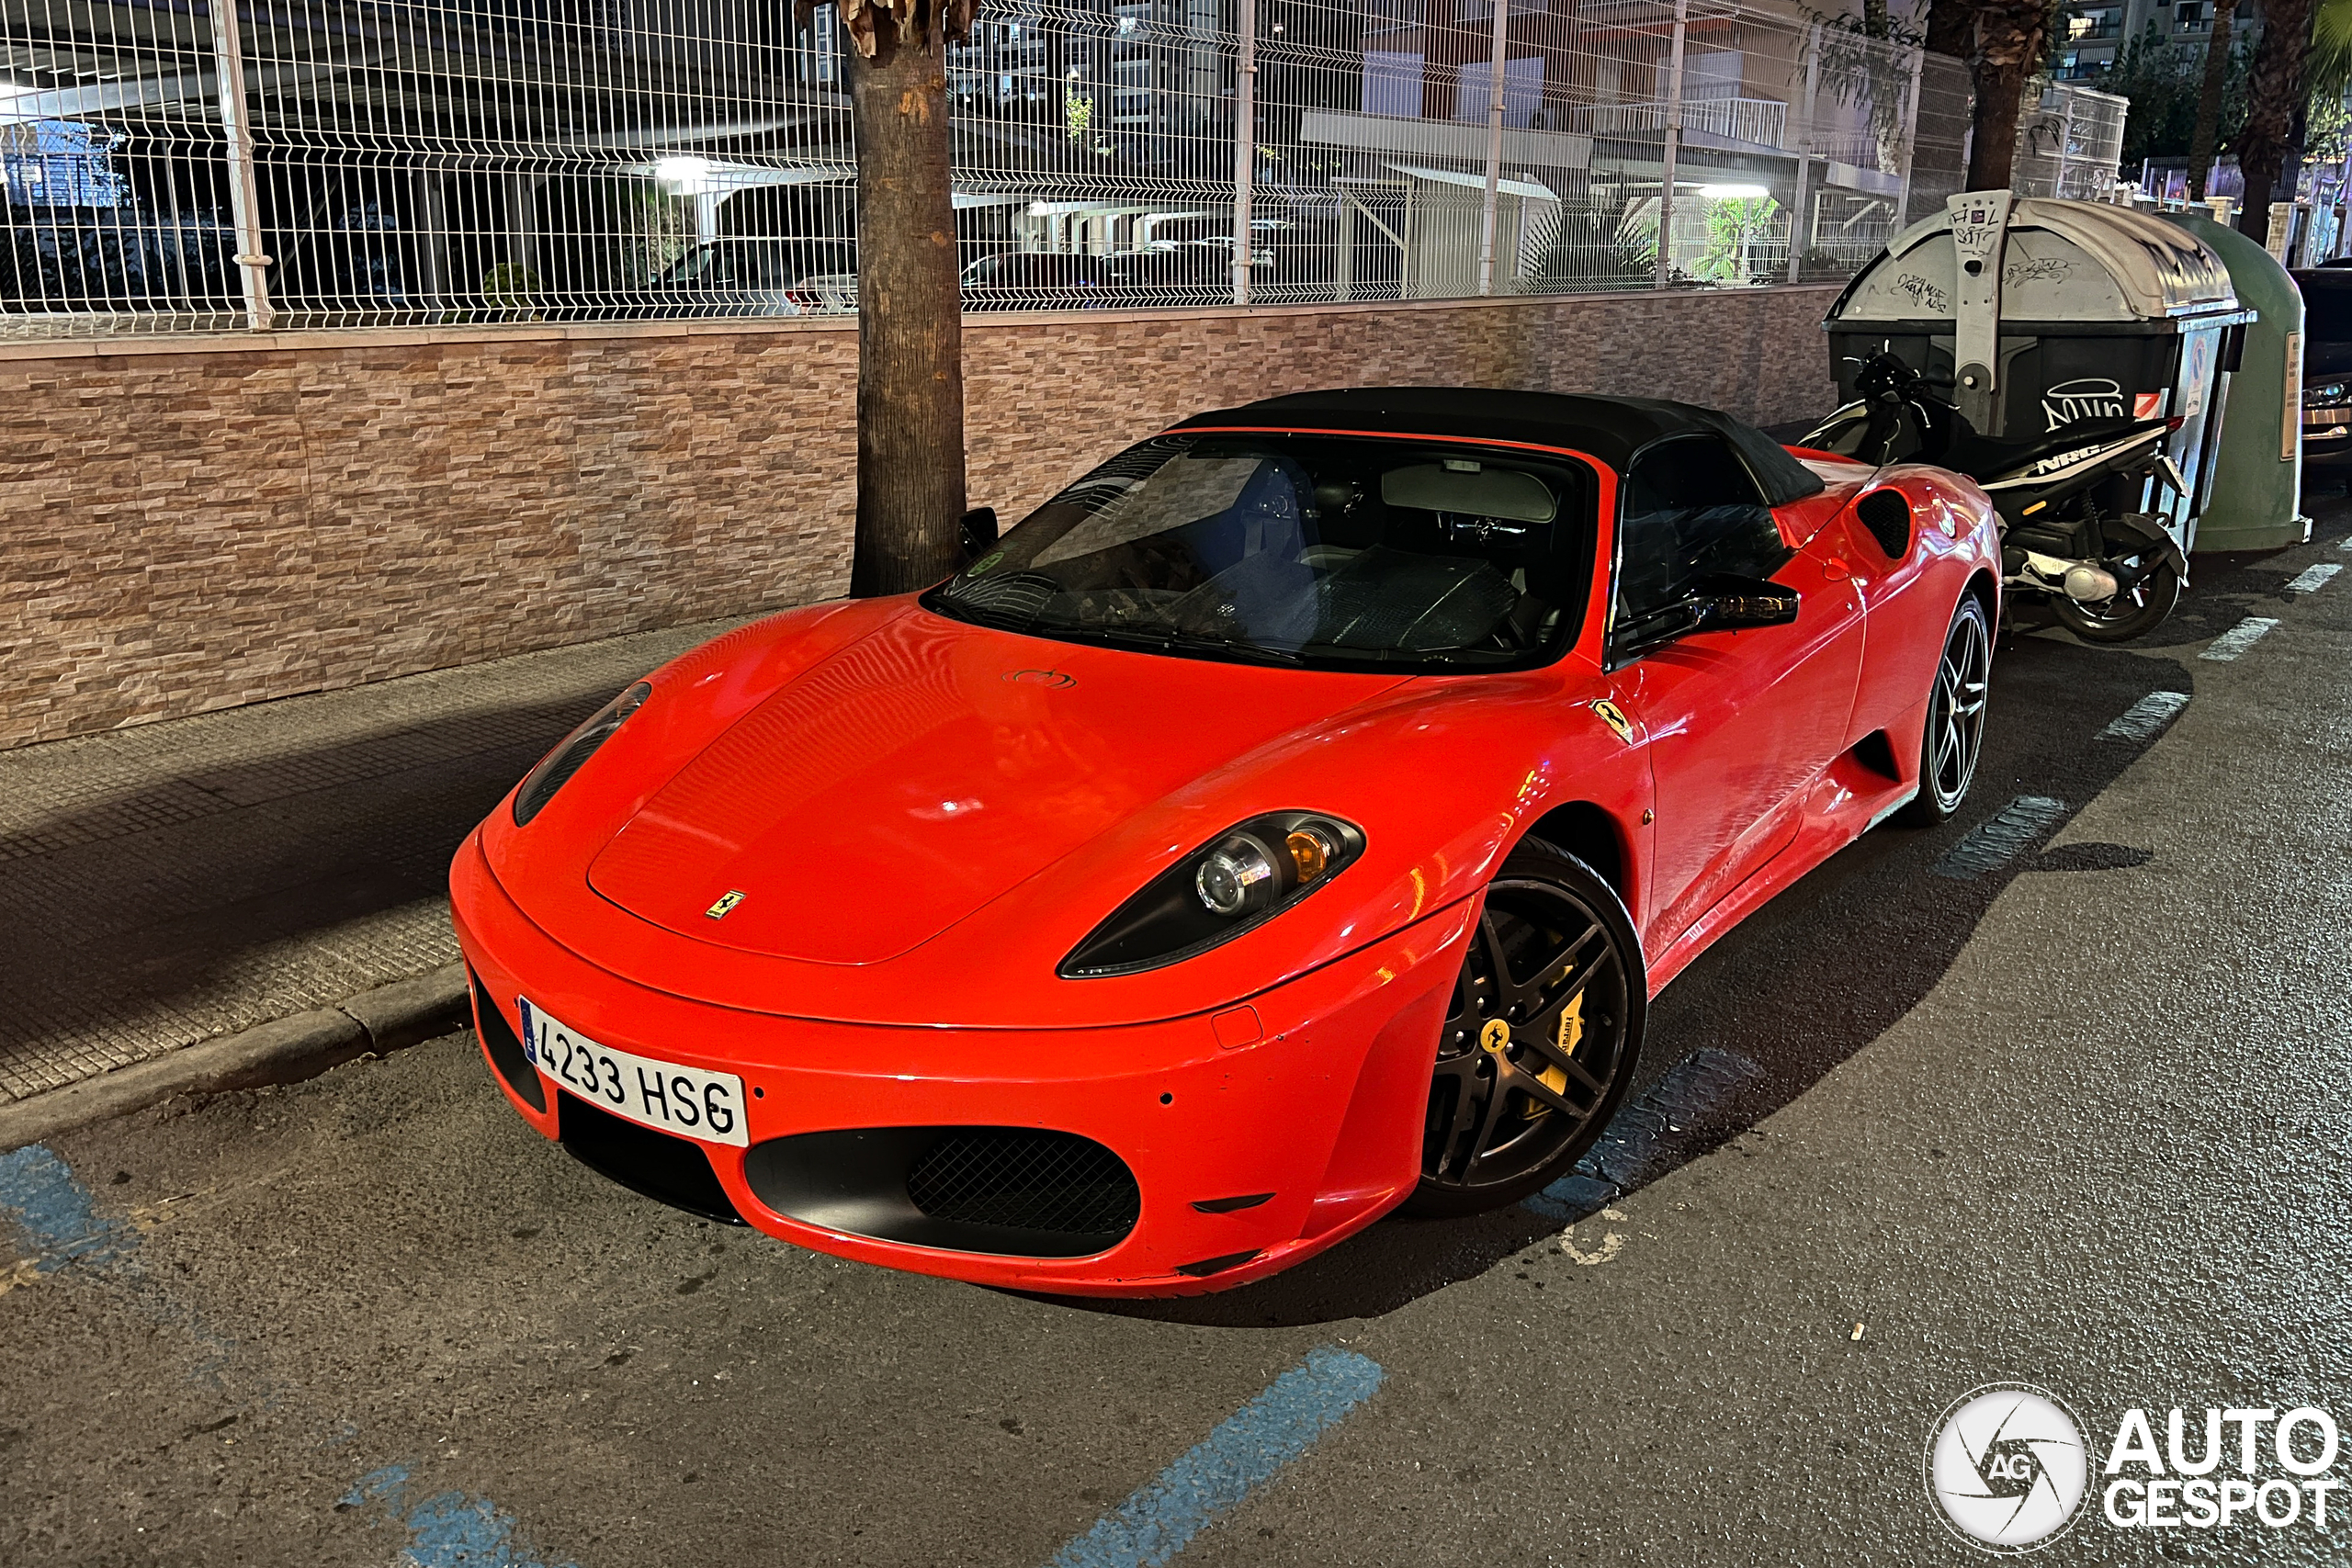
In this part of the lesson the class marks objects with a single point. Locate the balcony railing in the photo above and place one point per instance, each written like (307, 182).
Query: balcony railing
(1760, 122)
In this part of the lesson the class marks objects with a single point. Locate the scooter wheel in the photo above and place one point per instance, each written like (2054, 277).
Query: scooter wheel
(2127, 616)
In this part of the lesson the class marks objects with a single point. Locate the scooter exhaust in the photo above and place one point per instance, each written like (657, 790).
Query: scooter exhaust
(2091, 584)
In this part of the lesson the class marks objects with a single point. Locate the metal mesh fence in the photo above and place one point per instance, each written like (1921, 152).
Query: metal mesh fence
(330, 163)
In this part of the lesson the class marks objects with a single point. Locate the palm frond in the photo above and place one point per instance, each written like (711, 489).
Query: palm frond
(2330, 69)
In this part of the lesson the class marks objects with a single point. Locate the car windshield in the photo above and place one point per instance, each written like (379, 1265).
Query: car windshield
(1340, 551)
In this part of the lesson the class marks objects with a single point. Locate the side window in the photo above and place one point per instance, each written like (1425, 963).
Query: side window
(1690, 509)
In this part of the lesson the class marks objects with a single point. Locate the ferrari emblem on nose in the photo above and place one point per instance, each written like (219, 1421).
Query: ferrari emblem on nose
(1614, 718)
(727, 902)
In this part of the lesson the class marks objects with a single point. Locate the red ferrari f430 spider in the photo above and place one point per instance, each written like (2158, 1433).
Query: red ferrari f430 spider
(1288, 821)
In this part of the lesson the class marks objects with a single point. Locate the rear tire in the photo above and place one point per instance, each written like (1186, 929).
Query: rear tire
(1953, 739)
(2127, 616)
(1539, 1048)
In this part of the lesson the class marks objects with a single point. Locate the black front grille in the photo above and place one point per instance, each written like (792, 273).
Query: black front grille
(1030, 1180)
(1013, 1192)
(668, 1169)
(505, 1047)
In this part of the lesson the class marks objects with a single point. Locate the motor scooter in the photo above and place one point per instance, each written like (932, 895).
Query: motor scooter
(2067, 533)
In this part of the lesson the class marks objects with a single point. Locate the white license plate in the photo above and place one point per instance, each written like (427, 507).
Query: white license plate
(660, 1094)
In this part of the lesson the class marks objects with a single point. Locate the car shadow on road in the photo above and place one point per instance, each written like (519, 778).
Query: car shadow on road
(1825, 968)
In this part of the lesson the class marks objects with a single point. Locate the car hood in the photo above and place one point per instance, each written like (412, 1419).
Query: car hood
(907, 779)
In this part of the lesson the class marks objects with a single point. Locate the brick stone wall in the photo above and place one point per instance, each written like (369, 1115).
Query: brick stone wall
(196, 522)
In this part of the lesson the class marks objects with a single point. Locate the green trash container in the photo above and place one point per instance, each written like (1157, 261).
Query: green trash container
(2256, 499)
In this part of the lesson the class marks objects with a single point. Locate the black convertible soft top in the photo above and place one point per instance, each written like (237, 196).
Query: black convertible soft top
(1611, 429)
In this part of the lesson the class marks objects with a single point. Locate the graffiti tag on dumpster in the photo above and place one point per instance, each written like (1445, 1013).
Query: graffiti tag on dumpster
(2035, 269)
(1923, 293)
(2087, 397)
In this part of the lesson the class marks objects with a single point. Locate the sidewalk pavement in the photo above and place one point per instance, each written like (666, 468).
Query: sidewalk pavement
(179, 882)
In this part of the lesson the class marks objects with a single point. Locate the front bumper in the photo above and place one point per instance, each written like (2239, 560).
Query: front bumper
(1312, 1093)
(2328, 435)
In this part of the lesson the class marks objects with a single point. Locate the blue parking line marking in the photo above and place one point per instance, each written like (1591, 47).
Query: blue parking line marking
(2000, 838)
(448, 1529)
(2238, 638)
(1226, 1467)
(1648, 1137)
(57, 1213)
(2147, 719)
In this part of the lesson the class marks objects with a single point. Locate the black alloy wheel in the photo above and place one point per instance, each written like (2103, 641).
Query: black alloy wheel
(2134, 612)
(1954, 740)
(1539, 1046)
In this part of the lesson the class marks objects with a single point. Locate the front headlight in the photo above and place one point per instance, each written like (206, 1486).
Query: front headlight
(1244, 876)
(2324, 396)
(555, 769)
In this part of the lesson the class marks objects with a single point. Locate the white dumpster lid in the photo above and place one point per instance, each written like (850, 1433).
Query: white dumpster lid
(2064, 261)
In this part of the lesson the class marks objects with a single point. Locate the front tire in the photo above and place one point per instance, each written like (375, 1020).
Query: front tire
(1539, 1047)
(1953, 741)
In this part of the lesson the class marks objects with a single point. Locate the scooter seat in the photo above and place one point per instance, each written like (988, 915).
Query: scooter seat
(1984, 457)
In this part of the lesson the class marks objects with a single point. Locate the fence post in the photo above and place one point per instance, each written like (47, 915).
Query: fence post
(1910, 142)
(1244, 148)
(1673, 144)
(1804, 148)
(1487, 215)
(245, 195)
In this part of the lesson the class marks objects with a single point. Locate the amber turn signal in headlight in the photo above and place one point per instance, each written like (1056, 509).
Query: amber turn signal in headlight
(1248, 873)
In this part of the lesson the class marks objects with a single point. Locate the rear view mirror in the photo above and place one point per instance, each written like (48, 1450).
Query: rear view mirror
(977, 531)
(1719, 604)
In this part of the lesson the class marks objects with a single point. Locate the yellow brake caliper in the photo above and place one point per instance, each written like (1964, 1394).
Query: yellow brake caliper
(1494, 1038)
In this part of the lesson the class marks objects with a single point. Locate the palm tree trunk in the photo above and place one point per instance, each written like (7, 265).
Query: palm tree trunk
(1951, 28)
(2275, 89)
(2209, 99)
(909, 316)
(2009, 36)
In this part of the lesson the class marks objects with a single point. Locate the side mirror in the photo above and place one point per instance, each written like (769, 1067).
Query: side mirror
(1719, 604)
(977, 531)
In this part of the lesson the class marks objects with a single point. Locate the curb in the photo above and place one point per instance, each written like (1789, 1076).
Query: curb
(285, 1050)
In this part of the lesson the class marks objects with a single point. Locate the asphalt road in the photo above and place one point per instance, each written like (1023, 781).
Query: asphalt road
(2065, 1107)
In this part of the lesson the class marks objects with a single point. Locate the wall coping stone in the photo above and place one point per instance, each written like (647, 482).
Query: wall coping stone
(358, 338)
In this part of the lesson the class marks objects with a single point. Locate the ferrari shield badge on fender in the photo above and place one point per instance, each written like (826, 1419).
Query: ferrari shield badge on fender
(1614, 718)
(727, 902)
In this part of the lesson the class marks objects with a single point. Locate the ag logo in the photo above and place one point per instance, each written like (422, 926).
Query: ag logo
(2006, 1466)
